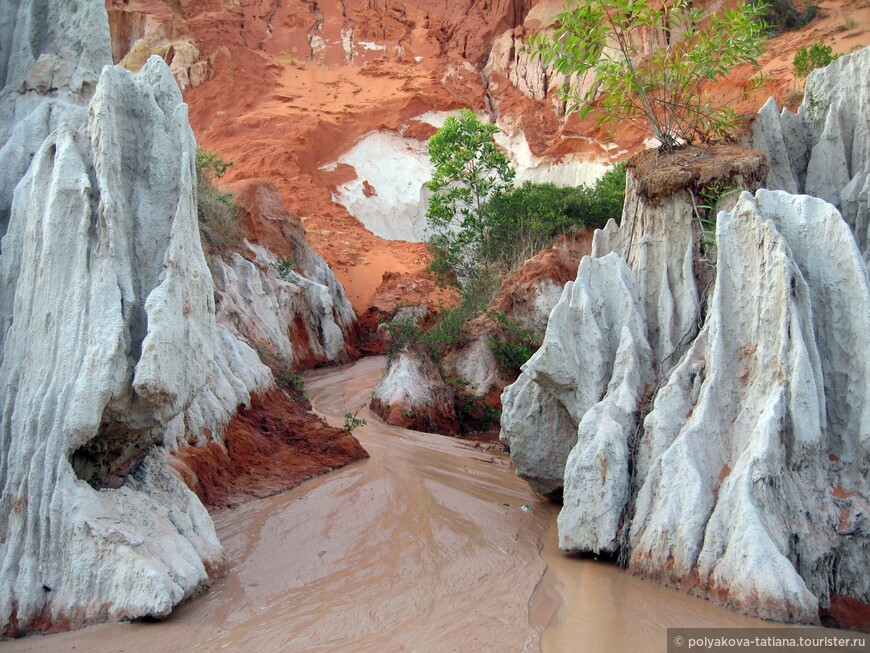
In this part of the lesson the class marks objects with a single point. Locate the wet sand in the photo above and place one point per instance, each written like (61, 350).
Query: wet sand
(423, 547)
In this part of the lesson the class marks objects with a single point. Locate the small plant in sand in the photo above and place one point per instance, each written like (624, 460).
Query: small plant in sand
(352, 420)
(652, 61)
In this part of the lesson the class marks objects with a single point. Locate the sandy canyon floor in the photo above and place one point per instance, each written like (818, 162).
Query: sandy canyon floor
(423, 547)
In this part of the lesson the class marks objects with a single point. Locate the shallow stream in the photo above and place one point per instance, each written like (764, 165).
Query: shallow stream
(424, 547)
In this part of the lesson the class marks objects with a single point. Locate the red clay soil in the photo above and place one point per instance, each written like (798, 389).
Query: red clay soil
(281, 109)
(847, 612)
(272, 446)
(558, 264)
(660, 175)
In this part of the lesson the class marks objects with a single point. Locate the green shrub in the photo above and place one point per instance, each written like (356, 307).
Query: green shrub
(291, 380)
(472, 411)
(210, 165)
(352, 420)
(605, 200)
(818, 55)
(469, 169)
(217, 212)
(403, 334)
(284, 266)
(525, 220)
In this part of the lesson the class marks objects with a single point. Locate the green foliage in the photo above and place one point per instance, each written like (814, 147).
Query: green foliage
(210, 164)
(818, 55)
(450, 328)
(476, 296)
(469, 169)
(403, 333)
(472, 411)
(284, 266)
(217, 212)
(293, 383)
(525, 220)
(706, 208)
(513, 345)
(638, 77)
(352, 419)
(288, 380)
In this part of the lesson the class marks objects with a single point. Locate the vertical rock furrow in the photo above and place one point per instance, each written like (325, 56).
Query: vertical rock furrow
(658, 244)
(729, 469)
(108, 334)
(598, 315)
(749, 483)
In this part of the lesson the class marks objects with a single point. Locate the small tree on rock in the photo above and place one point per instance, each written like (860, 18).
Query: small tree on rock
(469, 169)
(653, 60)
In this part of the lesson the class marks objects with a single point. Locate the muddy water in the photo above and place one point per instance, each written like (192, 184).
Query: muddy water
(424, 547)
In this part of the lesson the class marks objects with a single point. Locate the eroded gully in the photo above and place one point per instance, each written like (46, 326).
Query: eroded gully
(423, 547)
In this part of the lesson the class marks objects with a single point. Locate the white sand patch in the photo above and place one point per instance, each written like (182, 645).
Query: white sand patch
(388, 195)
(395, 168)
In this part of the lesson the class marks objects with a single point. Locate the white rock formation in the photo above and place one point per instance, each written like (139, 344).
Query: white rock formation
(51, 54)
(236, 374)
(108, 334)
(824, 149)
(599, 320)
(765, 421)
(297, 318)
(385, 196)
(749, 483)
(109, 349)
(413, 395)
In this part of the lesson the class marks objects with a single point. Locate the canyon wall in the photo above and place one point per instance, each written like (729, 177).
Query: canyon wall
(108, 334)
(719, 441)
(110, 353)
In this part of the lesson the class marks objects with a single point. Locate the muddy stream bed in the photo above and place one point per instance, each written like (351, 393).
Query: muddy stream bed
(423, 547)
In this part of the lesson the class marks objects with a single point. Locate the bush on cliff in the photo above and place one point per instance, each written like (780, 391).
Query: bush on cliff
(217, 211)
(479, 224)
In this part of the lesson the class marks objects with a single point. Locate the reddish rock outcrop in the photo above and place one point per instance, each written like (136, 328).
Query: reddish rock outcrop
(526, 298)
(290, 86)
(270, 446)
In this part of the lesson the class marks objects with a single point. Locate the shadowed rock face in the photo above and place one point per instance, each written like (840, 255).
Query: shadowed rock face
(763, 423)
(413, 395)
(747, 481)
